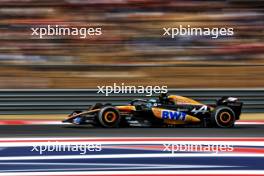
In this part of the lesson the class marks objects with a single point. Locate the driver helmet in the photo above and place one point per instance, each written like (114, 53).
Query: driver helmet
(151, 102)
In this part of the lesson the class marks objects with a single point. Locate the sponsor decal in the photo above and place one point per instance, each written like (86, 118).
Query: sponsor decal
(202, 110)
(173, 115)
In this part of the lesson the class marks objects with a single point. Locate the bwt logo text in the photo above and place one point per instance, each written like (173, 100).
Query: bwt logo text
(174, 115)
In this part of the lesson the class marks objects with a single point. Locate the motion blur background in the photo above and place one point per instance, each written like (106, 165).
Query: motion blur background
(132, 49)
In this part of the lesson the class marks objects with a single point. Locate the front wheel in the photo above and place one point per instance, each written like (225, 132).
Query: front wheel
(223, 117)
(109, 117)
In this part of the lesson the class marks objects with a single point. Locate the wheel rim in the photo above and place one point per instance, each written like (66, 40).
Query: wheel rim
(110, 117)
(225, 117)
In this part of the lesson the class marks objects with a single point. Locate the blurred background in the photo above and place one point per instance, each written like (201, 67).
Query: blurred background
(132, 49)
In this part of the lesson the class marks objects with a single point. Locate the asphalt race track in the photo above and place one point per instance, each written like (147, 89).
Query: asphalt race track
(84, 131)
(31, 149)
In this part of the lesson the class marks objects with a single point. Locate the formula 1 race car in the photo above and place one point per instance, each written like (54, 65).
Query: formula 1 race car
(164, 111)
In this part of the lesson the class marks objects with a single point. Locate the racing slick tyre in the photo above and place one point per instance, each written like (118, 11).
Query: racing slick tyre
(109, 117)
(223, 117)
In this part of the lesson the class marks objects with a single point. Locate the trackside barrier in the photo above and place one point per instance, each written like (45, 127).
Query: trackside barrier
(61, 101)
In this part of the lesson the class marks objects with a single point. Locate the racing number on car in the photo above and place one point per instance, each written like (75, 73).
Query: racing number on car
(202, 110)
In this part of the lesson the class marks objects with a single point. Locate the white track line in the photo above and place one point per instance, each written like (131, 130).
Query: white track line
(156, 172)
(113, 156)
(54, 122)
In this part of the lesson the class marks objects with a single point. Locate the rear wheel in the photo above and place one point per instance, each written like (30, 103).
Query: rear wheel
(223, 117)
(109, 117)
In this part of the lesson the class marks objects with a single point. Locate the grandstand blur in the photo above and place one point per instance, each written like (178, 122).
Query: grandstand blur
(132, 49)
